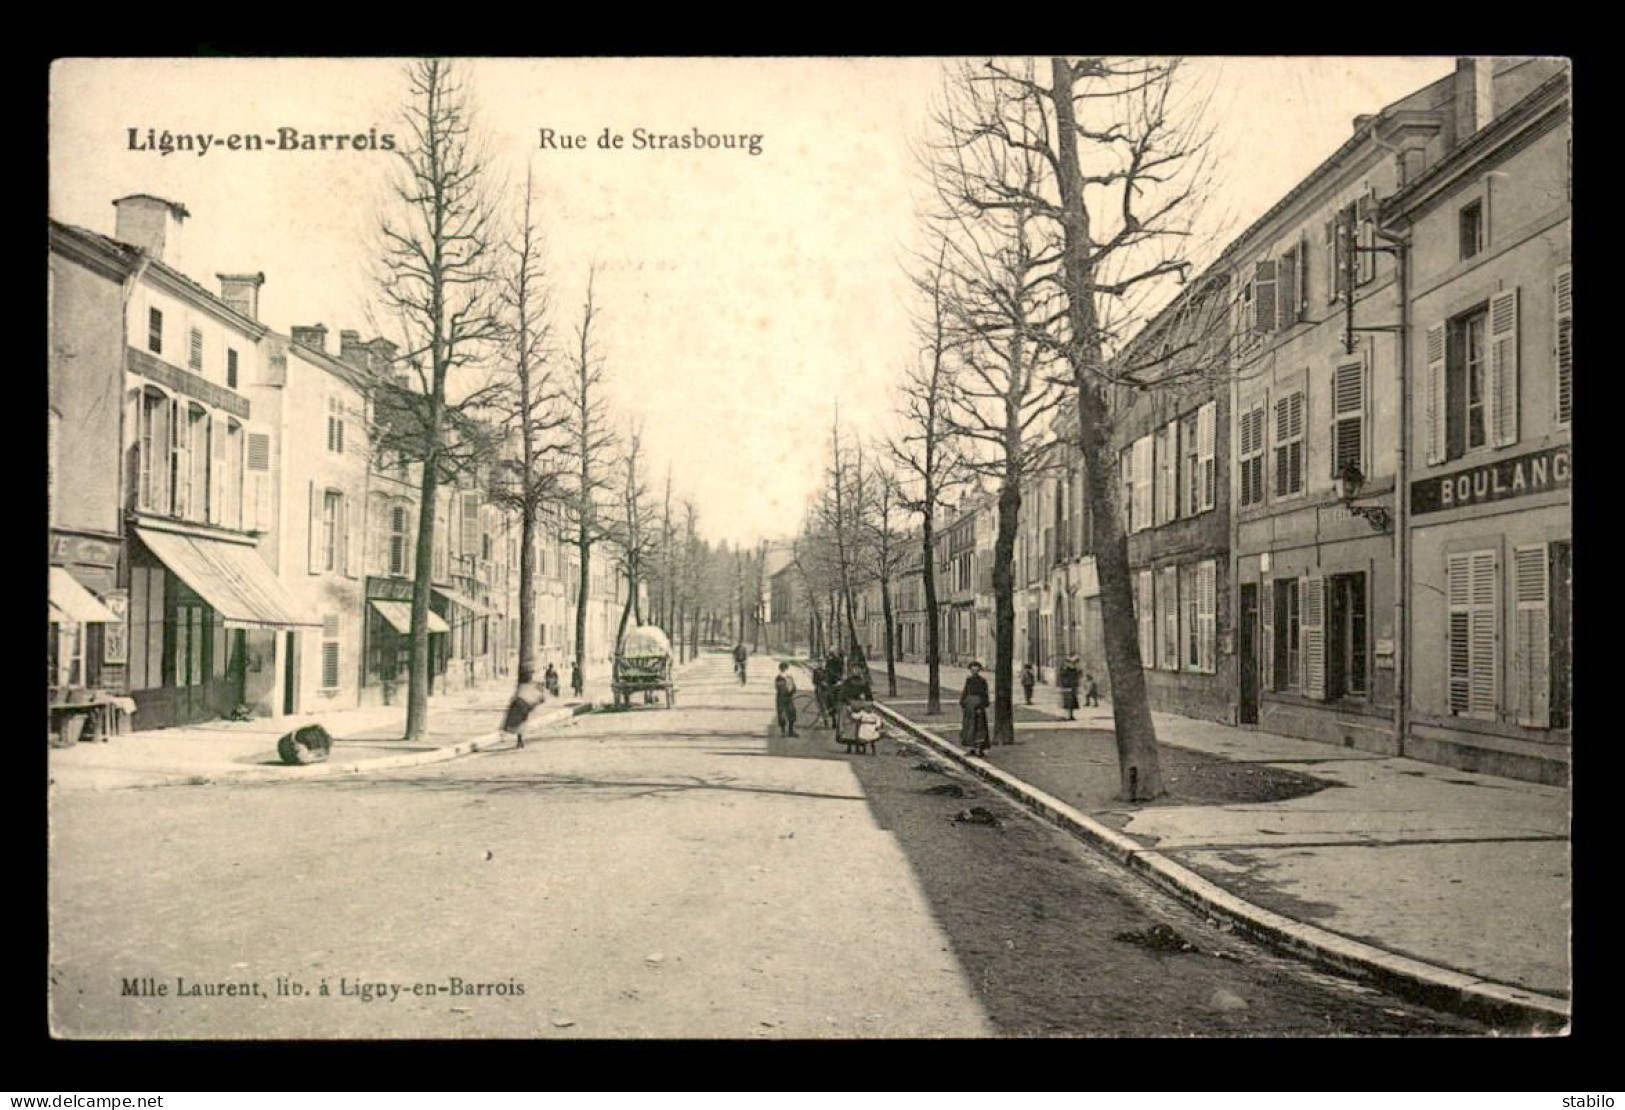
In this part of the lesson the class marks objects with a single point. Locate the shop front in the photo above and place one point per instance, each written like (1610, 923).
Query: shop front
(388, 644)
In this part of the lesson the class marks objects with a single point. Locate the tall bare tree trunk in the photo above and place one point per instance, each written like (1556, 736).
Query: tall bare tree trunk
(891, 637)
(933, 626)
(1004, 611)
(1139, 770)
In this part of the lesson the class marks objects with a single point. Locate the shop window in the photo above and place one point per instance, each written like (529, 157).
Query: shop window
(1288, 631)
(1471, 593)
(1346, 620)
(190, 649)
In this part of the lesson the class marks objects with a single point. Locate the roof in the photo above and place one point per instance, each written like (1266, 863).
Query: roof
(231, 577)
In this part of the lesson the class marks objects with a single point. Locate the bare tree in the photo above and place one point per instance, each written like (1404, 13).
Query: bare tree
(589, 447)
(635, 543)
(530, 406)
(438, 279)
(1123, 169)
(923, 454)
(840, 511)
(887, 555)
(1001, 258)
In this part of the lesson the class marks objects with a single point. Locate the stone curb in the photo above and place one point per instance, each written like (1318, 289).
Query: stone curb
(485, 742)
(1499, 1004)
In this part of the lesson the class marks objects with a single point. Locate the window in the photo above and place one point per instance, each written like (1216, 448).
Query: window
(1287, 635)
(1565, 344)
(1262, 317)
(1207, 467)
(1337, 253)
(1145, 611)
(1471, 578)
(1473, 380)
(256, 485)
(1292, 284)
(1191, 464)
(1470, 229)
(335, 424)
(332, 529)
(1144, 462)
(231, 368)
(1346, 636)
(1348, 417)
(194, 351)
(1250, 429)
(180, 460)
(232, 510)
(155, 331)
(330, 652)
(1289, 445)
(1207, 609)
(153, 471)
(1168, 617)
(1167, 450)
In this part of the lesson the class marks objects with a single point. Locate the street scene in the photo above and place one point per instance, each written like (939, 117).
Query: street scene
(786, 549)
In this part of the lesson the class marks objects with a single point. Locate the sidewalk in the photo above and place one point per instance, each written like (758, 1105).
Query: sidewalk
(364, 739)
(1464, 878)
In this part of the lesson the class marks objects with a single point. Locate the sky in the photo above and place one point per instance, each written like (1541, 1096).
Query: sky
(741, 295)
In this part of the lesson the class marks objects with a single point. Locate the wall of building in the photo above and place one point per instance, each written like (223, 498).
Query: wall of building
(86, 371)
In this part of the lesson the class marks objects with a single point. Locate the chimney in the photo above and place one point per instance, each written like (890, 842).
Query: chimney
(1362, 124)
(1475, 95)
(352, 350)
(314, 337)
(151, 223)
(242, 292)
(383, 354)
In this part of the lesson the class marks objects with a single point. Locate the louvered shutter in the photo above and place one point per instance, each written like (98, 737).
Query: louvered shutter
(1206, 464)
(217, 470)
(1143, 481)
(1266, 623)
(1436, 398)
(1531, 581)
(1348, 417)
(1286, 295)
(1366, 260)
(1312, 634)
(257, 482)
(1264, 274)
(1470, 595)
(1207, 606)
(315, 544)
(1333, 281)
(1564, 299)
(1503, 368)
(1484, 662)
(471, 524)
(1301, 294)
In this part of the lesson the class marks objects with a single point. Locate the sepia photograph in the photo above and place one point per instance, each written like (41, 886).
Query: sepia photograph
(809, 548)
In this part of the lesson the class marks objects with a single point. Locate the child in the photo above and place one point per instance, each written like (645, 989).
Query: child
(1091, 692)
(784, 691)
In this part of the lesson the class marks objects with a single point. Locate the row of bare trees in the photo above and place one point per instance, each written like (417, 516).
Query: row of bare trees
(1063, 194)
(487, 389)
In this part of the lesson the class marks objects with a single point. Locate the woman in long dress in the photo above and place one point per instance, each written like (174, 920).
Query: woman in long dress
(973, 709)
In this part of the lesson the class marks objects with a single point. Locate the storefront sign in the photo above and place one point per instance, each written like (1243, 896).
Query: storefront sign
(1538, 472)
(83, 549)
(116, 635)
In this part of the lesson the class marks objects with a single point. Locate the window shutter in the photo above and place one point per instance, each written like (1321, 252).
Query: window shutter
(1312, 627)
(1264, 299)
(315, 545)
(1331, 261)
(1266, 612)
(1531, 578)
(471, 524)
(352, 539)
(1348, 417)
(1483, 661)
(1503, 383)
(1206, 428)
(330, 664)
(1366, 260)
(1301, 294)
(1207, 605)
(1286, 295)
(1564, 299)
(217, 470)
(1436, 394)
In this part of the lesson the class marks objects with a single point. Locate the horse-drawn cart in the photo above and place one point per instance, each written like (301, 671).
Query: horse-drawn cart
(644, 667)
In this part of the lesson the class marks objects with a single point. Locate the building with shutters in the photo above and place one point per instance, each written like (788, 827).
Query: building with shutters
(315, 406)
(1487, 520)
(1171, 428)
(964, 559)
(200, 619)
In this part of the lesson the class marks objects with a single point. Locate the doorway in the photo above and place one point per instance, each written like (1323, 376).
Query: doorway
(1247, 647)
(290, 674)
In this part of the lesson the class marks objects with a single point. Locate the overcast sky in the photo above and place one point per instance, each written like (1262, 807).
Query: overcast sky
(741, 295)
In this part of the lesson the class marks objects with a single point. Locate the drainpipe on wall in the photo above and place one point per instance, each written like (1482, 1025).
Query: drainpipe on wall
(1402, 549)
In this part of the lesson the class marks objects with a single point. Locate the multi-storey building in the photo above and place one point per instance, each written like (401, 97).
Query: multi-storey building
(205, 624)
(962, 607)
(1486, 523)
(1173, 442)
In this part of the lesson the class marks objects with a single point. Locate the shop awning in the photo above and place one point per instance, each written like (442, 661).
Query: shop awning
(73, 603)
(231, 577)
(475, 607)
(399, 616)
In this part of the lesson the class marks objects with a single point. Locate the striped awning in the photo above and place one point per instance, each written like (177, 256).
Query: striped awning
(231, 577)
(72, 603)
(399, 616)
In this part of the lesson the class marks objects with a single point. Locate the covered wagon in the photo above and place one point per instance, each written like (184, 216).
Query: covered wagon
(644, 666)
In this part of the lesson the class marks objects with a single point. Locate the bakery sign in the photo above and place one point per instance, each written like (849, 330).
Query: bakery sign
(1538, 472)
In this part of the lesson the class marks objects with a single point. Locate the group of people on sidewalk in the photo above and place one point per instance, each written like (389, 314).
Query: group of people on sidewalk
(973, 699)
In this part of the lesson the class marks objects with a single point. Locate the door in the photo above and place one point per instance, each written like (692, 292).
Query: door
(290, 674)
(1247, 646)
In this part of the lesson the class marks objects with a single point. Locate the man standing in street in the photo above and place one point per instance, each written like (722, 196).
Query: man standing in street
(1069, 687)
(784, 690)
